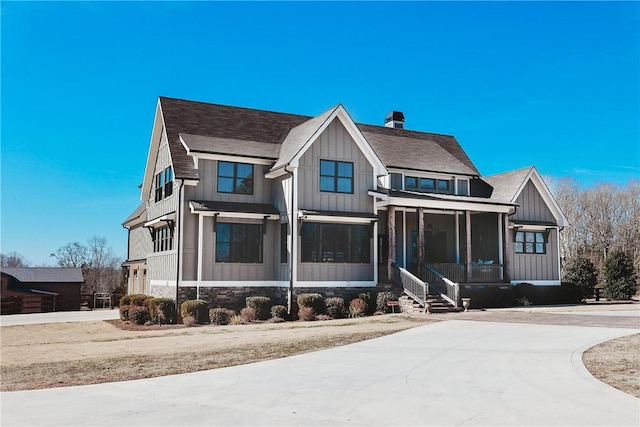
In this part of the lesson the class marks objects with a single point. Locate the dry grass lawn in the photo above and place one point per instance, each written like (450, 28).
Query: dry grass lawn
(64, 354)
(617, 363)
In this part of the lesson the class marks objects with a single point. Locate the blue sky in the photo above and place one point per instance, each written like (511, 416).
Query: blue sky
(551, 84)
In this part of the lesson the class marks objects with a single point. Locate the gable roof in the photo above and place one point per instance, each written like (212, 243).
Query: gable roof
(140, 214)
(509, 185)
(201, 127)
(44, 274)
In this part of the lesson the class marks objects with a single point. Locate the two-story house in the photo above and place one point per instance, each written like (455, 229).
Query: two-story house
(239, 202)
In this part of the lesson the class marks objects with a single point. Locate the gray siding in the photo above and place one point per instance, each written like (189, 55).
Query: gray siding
(162, 265)
(207, 188)
(140, 244)
(189, 244)
(537, 267)
(169, 204)
(531, 206)
(335, 143)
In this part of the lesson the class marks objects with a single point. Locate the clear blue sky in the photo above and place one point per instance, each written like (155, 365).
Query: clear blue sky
(551, 84)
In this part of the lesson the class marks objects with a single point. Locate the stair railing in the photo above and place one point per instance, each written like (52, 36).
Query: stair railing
(452, 289)
(412, 286)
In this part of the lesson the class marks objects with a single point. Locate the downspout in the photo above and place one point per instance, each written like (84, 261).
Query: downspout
(179, 235)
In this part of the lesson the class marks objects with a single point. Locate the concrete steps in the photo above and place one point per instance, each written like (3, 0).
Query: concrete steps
(438, 305)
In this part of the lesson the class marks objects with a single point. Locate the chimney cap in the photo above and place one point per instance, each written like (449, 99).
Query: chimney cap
(395, 116)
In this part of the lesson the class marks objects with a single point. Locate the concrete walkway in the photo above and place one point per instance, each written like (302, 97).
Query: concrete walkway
(59, 317)
(448, 373)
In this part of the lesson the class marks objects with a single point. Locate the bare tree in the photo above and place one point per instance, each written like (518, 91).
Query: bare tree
(13, 259)
(73, 255)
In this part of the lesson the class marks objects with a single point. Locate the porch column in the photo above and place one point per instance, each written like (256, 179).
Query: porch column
(420, 239)
(468, 260)
(391, 225)
(500, 244)
(200, 246)
(508, 249)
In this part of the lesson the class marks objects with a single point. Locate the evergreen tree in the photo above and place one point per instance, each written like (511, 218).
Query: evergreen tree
(581, 272)
(620, 280)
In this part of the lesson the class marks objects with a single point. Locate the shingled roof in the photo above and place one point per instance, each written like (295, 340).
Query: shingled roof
(44, 274)
(210, 127)
(506, 185)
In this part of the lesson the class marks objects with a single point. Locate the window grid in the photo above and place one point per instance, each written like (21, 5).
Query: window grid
(530, 242)
(239, 243)
(336, 243)
(235, 178)
(336, 177)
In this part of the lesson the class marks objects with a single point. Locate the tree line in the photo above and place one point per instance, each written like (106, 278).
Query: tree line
(100, 266)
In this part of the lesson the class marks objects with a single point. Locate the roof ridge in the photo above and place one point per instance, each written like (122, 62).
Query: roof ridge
(233, 106)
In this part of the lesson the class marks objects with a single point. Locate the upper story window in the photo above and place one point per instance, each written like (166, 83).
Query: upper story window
(241, 243)
(428, 185)
(530, 242)
(164, 184)
(235, 178)
(463, 187)
(336, 177)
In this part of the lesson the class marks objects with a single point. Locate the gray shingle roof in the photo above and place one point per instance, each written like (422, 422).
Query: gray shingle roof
(44, 274)
(236, 147)
(506, 185)
(217, 206)
(225, 124)
(140, 211)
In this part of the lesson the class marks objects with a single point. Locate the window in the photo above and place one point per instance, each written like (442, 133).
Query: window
(235, 178)
(444, 185)
(338, 243)
(463, 187)
(530, 242)
(336, 177)
(396, 181)
(427, 185)
(240, 243)
(162, 238)
(159, 185)
(168, 182)
(284, 252)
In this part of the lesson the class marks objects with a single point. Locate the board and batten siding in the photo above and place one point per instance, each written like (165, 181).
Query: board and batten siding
(537, 266)
(140, 244)
(335, 143)
(207, 188)
(162, 265)
(532, 206)
(168, 204)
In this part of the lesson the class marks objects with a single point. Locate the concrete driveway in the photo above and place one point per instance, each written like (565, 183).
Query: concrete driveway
(449, 373)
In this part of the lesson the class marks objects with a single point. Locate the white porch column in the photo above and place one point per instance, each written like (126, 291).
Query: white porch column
(404, 239)
(375, 252)
(469, 259)
(500, 244)
(391, 225)
(200, 245)
(457, 217)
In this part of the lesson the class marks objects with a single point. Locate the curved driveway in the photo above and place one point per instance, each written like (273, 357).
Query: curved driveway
(449, 373)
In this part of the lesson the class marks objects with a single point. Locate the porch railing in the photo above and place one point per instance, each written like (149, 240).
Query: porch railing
(450, 290)
(413, 286)
(488, 273)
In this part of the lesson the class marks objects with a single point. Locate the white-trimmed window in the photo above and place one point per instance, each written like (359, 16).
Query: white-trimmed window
(336, 243)
(164, 184)
(162, 238)
(336, 177)
(239, 243)
(235, 178)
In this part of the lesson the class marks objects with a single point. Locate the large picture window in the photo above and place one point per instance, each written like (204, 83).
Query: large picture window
(241, 243)
(336, 177)
(339, 243)
(235, 178)
(530, 242)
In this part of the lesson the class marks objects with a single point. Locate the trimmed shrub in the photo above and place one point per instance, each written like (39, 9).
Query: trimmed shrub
(314, 301)
(382, 300)
(162, 310)
(261, 305)
(220, 316)
(335, 307)
(357, 308)
(195, 308)
(138, 299)
(620, 280)
(582, 273)
(306, 314)
(236, 319)
(139, 314)
(189, 321)
(248, 314)
(369, 301)
(124, 312)
(279, 311)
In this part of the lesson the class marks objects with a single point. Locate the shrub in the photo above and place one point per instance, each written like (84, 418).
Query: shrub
(124, 312)
(162, 310)
(236, 319)
(195, 308)
(582, 273)
(335, 307)
(139, 314)
(357, 308)
(306, 314)
(323, 317)
(220, 316)
(620, 280)
(189, 321)
(369, 301)
(137, 299)
(314, 301)
(382, 300)
(261, 306)
(279, 311)
(248, 314)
